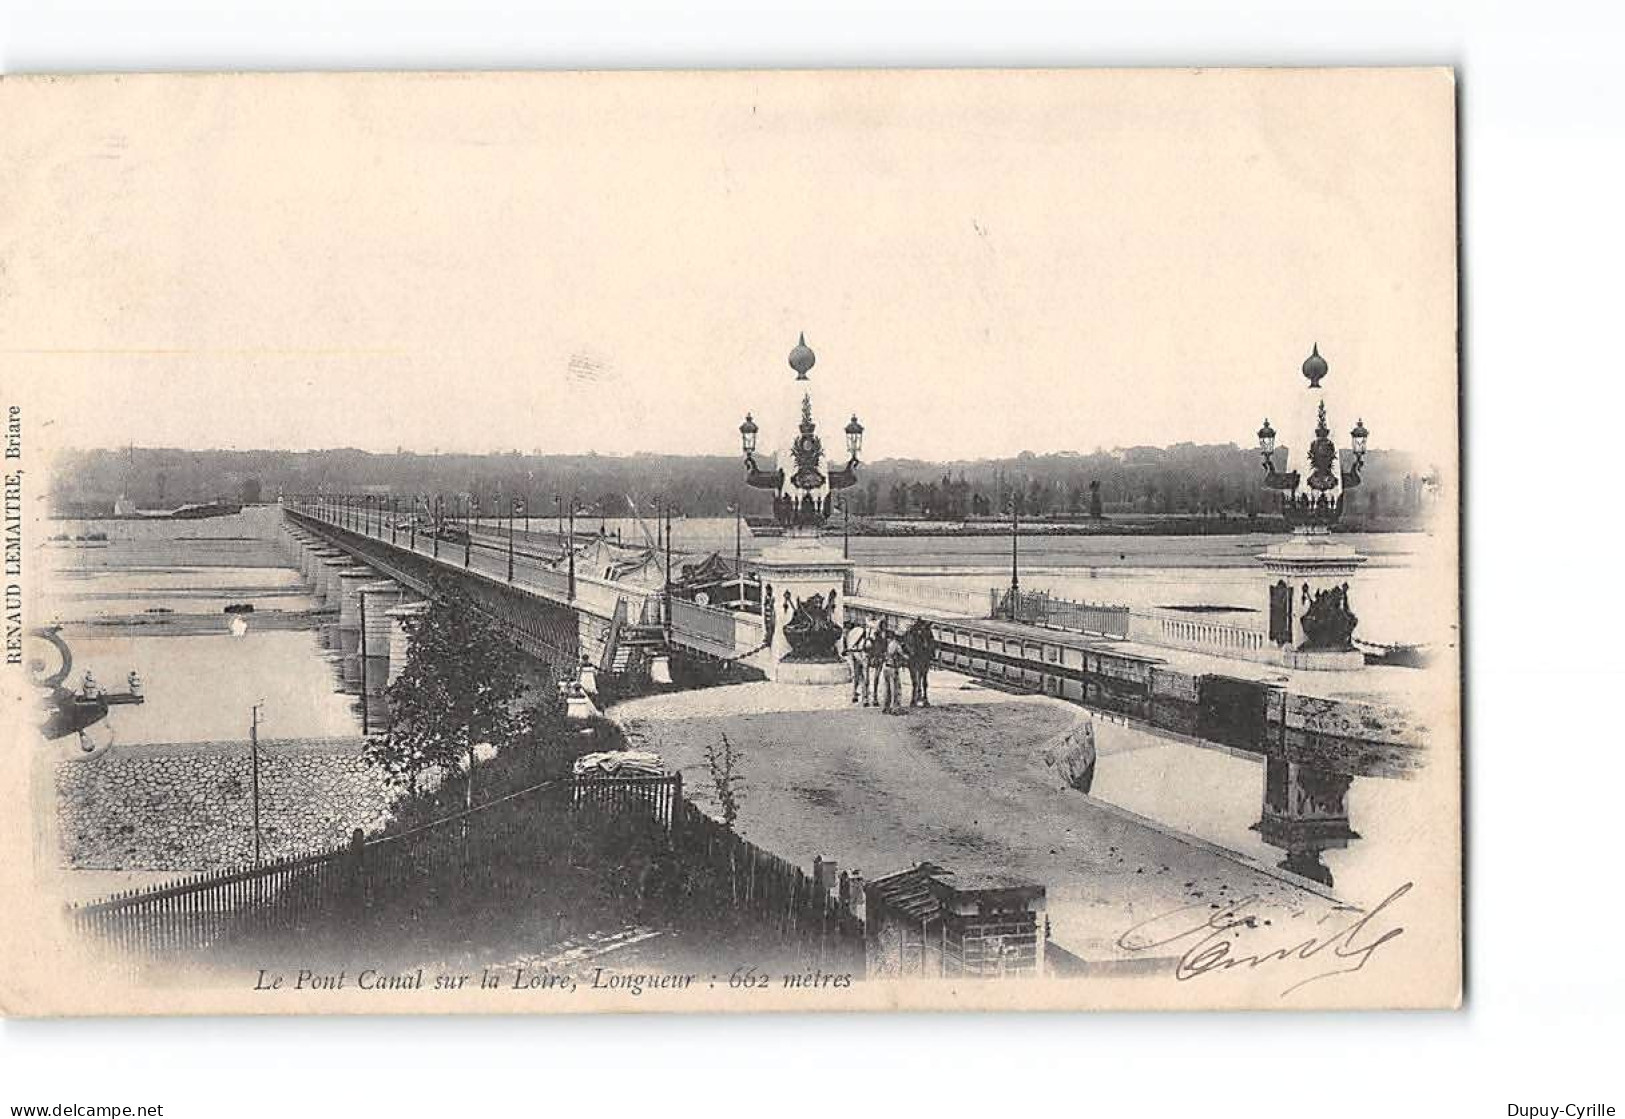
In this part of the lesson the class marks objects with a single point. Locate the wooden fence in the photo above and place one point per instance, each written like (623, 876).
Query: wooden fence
(199, 915)
(291, 895)
(777, 891)
(661, 797)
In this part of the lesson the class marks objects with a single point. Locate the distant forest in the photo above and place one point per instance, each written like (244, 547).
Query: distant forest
(1186, 479)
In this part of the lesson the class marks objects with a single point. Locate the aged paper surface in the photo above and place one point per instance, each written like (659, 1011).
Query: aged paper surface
(446, 569)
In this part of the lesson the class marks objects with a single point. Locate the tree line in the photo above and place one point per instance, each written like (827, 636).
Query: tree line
(1185, 479)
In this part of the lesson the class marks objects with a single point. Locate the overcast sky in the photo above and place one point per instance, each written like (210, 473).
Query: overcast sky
(984, 264)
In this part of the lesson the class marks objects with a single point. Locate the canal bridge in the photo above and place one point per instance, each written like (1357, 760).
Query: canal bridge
(562, 616)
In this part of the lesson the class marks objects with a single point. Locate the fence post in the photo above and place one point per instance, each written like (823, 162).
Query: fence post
(676, 806)
(355, 874)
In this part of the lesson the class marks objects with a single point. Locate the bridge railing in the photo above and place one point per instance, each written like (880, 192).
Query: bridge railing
(489, 559)
(1198, 635)
(601, 595)
(919, 592)
(1040, 608)
(724, 633)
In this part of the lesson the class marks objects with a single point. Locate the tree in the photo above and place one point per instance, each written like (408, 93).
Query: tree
(460, 687)
(899, 498)
(1037, 499)
(723, 763)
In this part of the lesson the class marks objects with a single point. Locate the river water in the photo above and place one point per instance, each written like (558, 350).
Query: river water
(151, 598)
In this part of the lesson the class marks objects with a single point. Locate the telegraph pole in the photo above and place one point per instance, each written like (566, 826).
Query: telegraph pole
(668, 549)
(739, 553)
(511, 503)
(254, 760)
(572, 547)
(1015, 535)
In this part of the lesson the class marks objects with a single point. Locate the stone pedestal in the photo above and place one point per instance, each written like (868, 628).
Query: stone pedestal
(795, 568)
(660, 669)
(579, 707)
(1312, 562)
(587, 679)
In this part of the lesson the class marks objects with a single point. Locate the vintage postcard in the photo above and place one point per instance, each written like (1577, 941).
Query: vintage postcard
(730, 541)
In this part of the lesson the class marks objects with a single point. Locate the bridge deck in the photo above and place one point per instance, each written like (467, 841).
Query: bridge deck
(708, 630)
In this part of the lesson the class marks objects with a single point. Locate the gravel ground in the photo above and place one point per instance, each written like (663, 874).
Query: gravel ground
(962, 784)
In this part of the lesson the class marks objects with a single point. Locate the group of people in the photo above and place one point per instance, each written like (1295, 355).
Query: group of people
(878, 653)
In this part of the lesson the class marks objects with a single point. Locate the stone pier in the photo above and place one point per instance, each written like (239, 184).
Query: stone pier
(351, 580)
(399, 641)
(307, 561)
(377, 600)
(332, 562)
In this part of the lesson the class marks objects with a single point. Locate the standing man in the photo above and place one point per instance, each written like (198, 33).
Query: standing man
(893, 674)
(853, 643)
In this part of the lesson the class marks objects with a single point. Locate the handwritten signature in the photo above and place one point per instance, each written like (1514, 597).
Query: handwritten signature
(1216, 941)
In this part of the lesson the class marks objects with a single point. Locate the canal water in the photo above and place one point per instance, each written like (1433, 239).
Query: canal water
(1216, 794)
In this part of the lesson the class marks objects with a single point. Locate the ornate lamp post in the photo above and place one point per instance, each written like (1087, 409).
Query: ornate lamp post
(803, 585)
(1314, 503)
(1310, 620)
(802, 498)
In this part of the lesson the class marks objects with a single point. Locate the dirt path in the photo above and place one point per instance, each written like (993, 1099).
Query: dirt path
(963, 784)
